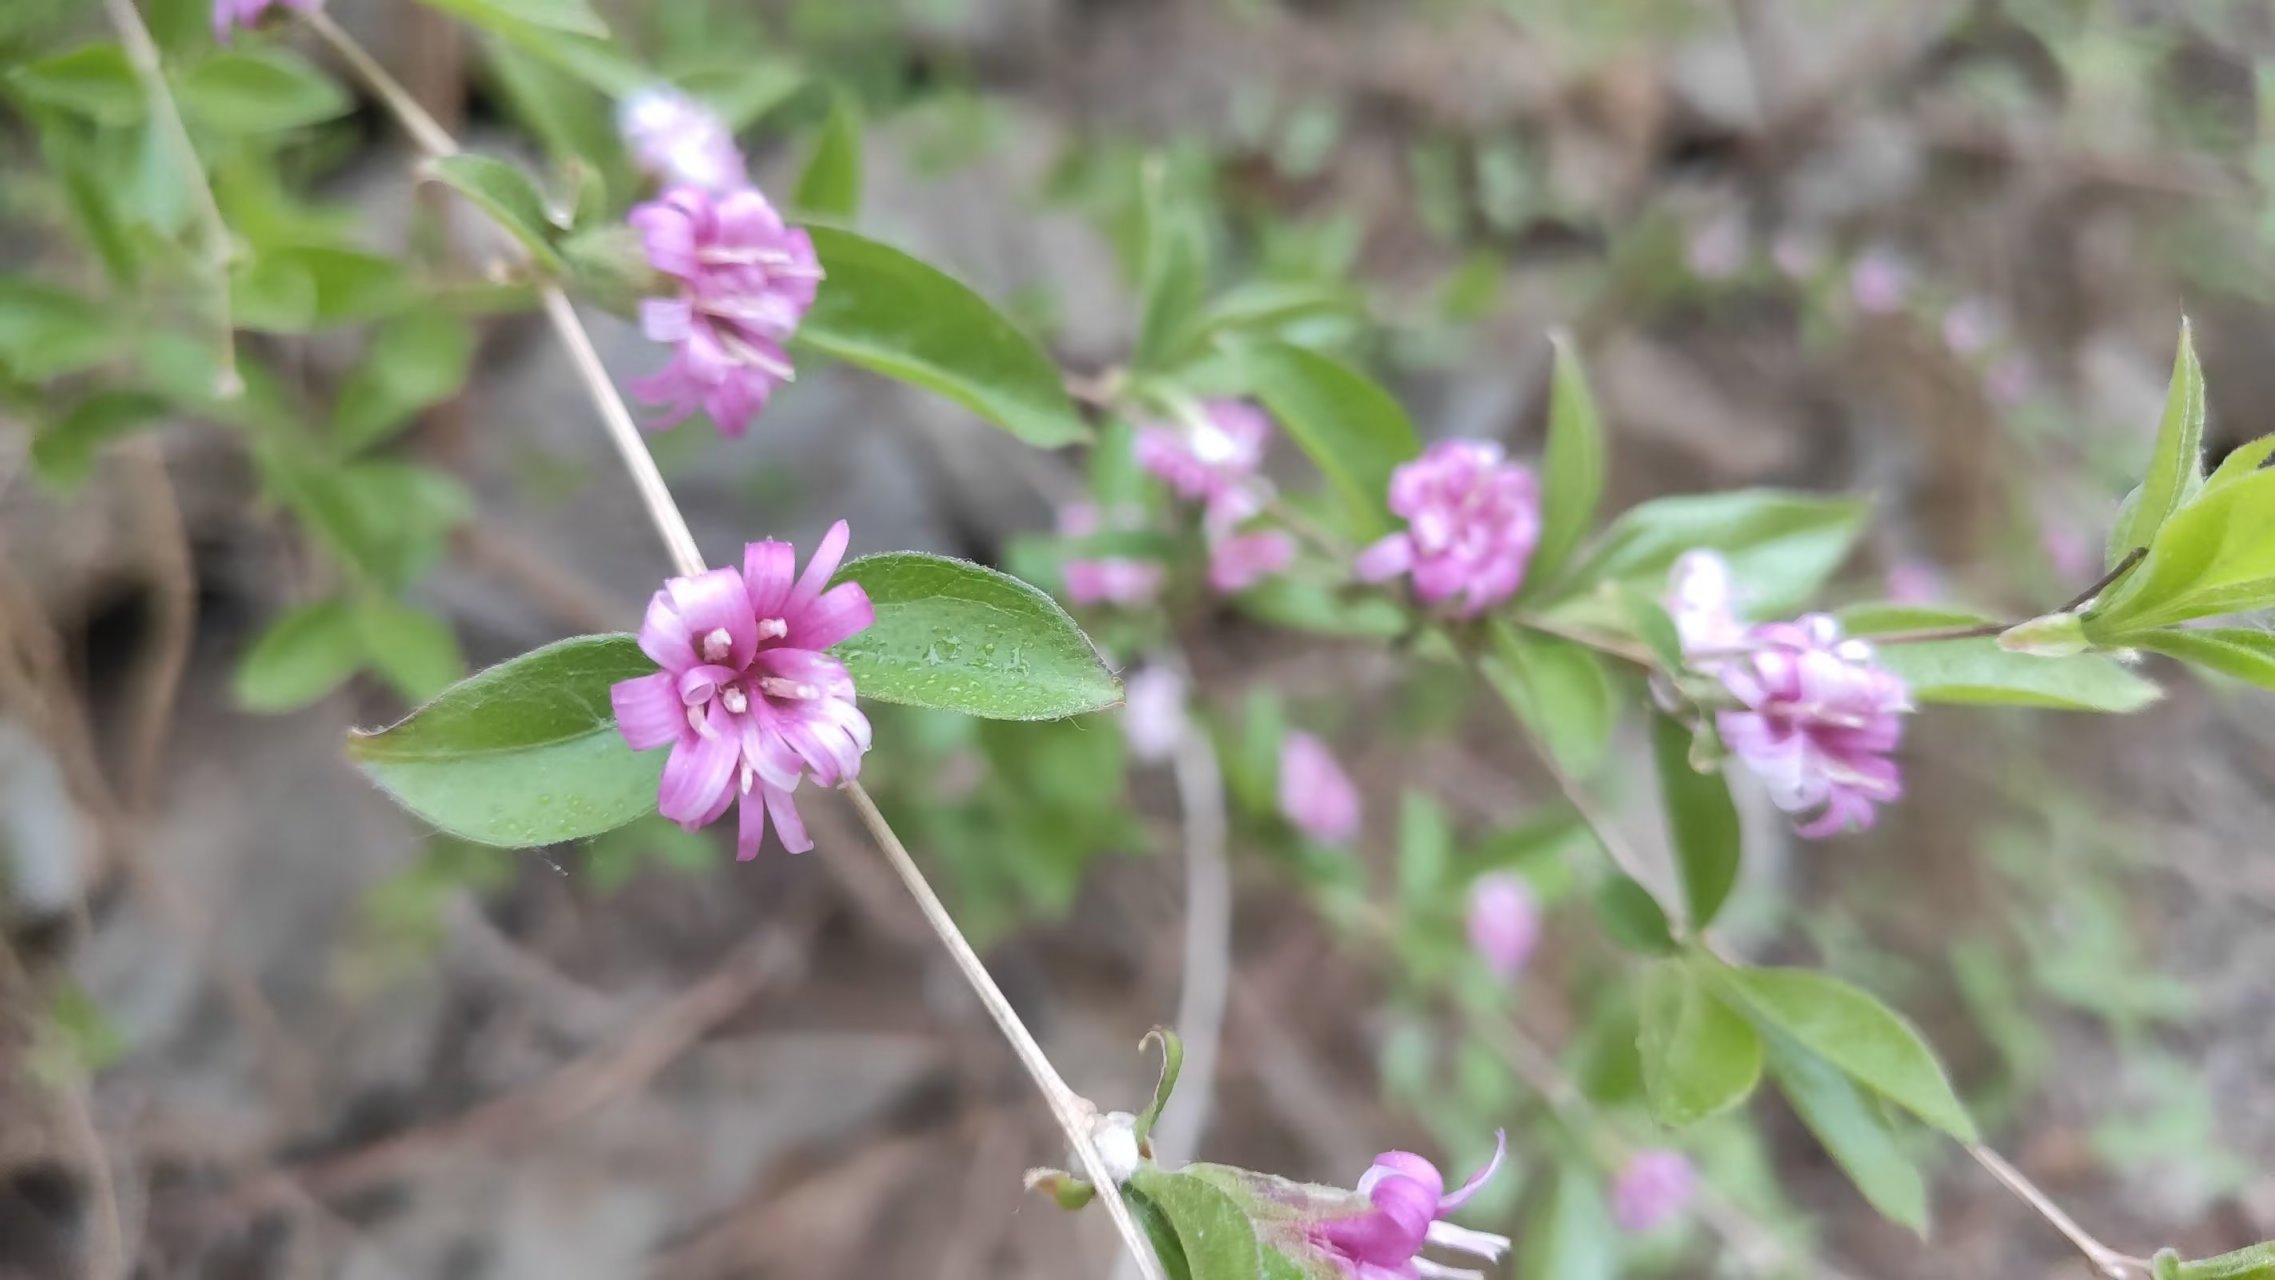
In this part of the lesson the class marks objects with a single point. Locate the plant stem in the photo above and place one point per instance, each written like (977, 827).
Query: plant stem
(2109, 1262)
(1075, 1114)
(219, 249)
(2079, 601)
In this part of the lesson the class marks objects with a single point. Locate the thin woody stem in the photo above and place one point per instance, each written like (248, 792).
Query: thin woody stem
(2109, 1262)
(219, 249)
(1074, 1113)
(2079, 601)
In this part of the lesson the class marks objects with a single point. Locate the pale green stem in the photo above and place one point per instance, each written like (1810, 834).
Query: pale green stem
(1075, 1114)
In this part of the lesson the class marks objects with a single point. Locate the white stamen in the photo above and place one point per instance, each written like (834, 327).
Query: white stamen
(1429, 1270)
(736, 701)
(772, 628)
(717, 645)
(1481, 1244)
(697, 722)
(749, 776)
(784, 687)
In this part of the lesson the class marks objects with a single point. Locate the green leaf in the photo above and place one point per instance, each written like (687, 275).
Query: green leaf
(414, 650)
(2214, 556)
(1557, 689)
(1856, 1033)
(95, 81)
(1352, 430)
(1323, 610)
(743, 89)
(1781, 546)
(389, 519)
(1173, 274)
(1699, 1058)
(416, 360)
(1425, 849)
(1702, 823)
(1978, 672)
(1570, 1234)
(64, 452)
(523, 754)
(886, 311)
(572, 17)
(508, 195)
(956, 636)
(305, 654)
(1172, 1062)
(1852, 1130)
(1572, 480)
(259, 90)
(2254, 1263)
(2243, 652)
(2245, 460)
(46, 332)
(1632, 917)
(831, 185)
(2176, 468)
(293, 288)
(1217, 1240)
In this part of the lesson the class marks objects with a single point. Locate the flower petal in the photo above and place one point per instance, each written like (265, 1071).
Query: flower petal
(821, 568)
(750, 829)
(663, 635)
(698, 779)
(1460, 1195)
(769, 568)
(712, 602)
(787, 823)
(648, 711)
(841, 612)
(1386, 559)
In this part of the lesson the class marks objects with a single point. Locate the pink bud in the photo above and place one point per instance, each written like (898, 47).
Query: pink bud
(1504, 922)
(1653, 1190)
(1879, 282)
(1153, 716)
(1315, 794)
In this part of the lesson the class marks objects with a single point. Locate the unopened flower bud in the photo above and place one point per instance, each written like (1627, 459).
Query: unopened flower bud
(2055, 635)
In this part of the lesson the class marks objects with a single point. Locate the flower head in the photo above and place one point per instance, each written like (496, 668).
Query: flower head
(681, 142)
(747, 700)
(229, 15)
(1879, 281)
(1121, 580)
(745, 279)
(1316, 796)
(1504, 922)
(1472, 519)
(1240, 559)
(1652, 1190)
(1214, 452)
(1408, 1203)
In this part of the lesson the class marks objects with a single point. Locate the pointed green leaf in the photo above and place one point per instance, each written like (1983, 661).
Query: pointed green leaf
(1856, 1033)
(2243, 652)
(416, 360)
(2176, 468)
(1570, 1234)
(1699, 1058)
(523, 754)
(1173, 272)
(1572, 479)
(1702, 822)
(1632, 917)
(1852, 1131)
(2246, 459)
(956, 636)
(1352, 430)
(1172, 1062)
(260, 89)
(303, 655)
(1978, 672)
(64, 452)
(885, 311)
(831, 185)
(95, 81)
(1557, 689)
(1217, 1240)
(508, 195)
(1781, 546)
(2214, 556)
(414, 650)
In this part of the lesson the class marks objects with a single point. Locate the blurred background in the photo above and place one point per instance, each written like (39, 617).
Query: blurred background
(254, 1022)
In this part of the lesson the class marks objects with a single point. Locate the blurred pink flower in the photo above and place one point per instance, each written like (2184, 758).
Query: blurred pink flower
(747, 700)
(1472, 519)
(1700, 600)
(1914, 581)
(2010, 381)
(1215, 451)
(681, 142)
(1316, 796)
(2070, 550)
(1970, 326)
(1879, 281)
(1409, 1203)
(1504, 922)
(1820, 718)
(1797, 254)
(745, 281)
(1153, 713)
(1718, 251)
(229, 15)
(1118, 580)
(1652, 1190)
(1238, 561)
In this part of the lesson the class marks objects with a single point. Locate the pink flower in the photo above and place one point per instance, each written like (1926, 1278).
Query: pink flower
(1409, 1203)
(1970, 326)
(1212, 453)
(1879, 281)
(1820, 718)
(1241, 560)
(678, 140)
(2010, 381)
(1119, 580)
(1913, 581)
(2074, 554)
(745, 280)
(1315, 794)
(747, 700)
(1652, 1190)
(228, 15)
(1797, 254)
(1699, 599)
(1719, 250)
(1471, 522)
(1504, 922)
(1153, 713)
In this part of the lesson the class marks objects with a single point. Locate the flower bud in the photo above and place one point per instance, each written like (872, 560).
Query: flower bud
(2055, 635)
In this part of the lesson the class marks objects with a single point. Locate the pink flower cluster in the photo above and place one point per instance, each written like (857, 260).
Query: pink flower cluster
(1817, 717)
(1121, 580)
(1408, 1205)
(1504, 922)
(1214, 458)
(229, 15)
(1472, 519)
(745, 279)
(747, 700)
(680, 142)
(1652, 1189)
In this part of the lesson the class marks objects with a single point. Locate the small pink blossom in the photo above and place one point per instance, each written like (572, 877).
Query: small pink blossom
(229, 15)
(1971, 326)
(1652, 1190)
(1879, 281)
(1208, 455)
(1239, 561)
(1701, 602)
(1797, 254)
(2010, 381)
(1316, 796)
(681, 142)
(1153, 713)
(1914, 581)
(747, 700)
(745, 281)
(1408, 1203)
(1718, 251)
(1117, 580)
(1504, 922)
(1472, 520)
